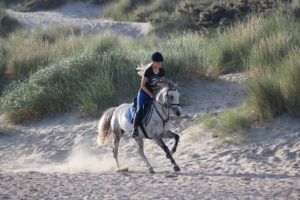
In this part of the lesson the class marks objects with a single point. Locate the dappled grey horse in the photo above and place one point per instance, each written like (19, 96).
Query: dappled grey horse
(113, 124)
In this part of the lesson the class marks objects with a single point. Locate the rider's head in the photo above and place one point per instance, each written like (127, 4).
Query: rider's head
(157, 59)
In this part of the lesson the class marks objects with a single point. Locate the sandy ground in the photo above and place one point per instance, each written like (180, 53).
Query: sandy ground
(83, 15)
(58, 158)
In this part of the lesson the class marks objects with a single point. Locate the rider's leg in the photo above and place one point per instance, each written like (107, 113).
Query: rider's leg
(136, 123)
(141, 98)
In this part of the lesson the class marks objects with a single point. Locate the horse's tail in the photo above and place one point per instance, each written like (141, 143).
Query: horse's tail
(104, 128)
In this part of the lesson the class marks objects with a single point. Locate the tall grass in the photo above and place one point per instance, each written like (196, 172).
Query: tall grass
(27, 52)
(261, 46)
(290, 82)
(272, 63)
(274, 92)
(229, 51)
(266, 98)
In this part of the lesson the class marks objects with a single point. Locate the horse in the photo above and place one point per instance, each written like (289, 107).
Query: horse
(113, 124)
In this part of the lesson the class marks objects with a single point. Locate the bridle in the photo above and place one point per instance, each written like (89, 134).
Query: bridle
(168, 106)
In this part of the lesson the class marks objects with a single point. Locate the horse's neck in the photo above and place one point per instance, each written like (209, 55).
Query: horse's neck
(162, 110)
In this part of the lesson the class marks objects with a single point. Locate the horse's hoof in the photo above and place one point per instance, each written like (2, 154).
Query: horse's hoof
(176, 168)
(151, 170)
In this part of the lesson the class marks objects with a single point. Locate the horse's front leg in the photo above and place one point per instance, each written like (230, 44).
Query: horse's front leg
(169, 134)
(140, 143)
(161, 143)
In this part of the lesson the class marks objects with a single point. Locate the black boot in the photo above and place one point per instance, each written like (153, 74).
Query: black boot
(136, 123)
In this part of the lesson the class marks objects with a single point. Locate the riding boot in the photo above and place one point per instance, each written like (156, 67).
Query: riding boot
(136, 123)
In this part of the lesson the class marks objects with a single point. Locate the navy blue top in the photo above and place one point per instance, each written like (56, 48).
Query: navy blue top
(153, 78)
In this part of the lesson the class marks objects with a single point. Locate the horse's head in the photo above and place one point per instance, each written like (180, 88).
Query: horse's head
(169, 96)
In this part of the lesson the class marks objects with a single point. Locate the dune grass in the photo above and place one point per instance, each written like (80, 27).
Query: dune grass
(261, 46)
(25, 52)
(63, 69)
(233, 123)
(268, 50)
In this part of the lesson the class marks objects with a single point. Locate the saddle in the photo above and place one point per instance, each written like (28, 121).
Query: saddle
(146, 111)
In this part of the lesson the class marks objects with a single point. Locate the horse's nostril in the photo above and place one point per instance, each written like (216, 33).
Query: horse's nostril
(178, 113)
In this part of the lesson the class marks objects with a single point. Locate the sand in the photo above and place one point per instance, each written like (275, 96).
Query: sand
(82, 15)
(57, 158)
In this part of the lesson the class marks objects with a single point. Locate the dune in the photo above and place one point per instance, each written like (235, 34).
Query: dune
(82, 15)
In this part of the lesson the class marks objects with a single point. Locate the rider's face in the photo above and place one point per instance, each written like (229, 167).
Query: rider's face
(156, 64)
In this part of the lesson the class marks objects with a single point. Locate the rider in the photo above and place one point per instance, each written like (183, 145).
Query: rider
(153, 74)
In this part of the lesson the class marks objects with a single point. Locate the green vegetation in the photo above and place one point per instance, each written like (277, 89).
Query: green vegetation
(233, 122)
(7, 24)
(267, 48)
(33, 5)
(201, 16)
(63, 69)
(25, 52)
(141, 10)
(85, 73)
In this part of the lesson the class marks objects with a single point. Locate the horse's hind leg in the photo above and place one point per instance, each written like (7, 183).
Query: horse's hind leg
(115, 150)
(171, 135)
(140, 143)
(161, 143)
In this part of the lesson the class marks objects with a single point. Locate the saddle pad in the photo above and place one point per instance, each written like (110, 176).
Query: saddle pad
(129, 114)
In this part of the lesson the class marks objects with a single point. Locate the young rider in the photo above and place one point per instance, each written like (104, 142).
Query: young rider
(153, 74)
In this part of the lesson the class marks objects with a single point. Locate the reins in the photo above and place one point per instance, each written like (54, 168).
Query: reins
(167, 114)
(159, 113)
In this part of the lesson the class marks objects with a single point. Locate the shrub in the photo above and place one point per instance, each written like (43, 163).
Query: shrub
(7, 24)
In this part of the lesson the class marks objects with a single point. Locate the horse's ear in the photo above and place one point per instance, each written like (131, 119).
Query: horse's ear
(172, 85)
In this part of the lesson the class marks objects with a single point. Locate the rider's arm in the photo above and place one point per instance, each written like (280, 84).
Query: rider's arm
(143, 86)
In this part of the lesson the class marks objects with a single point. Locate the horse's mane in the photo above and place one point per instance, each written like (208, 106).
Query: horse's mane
(170, 85)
